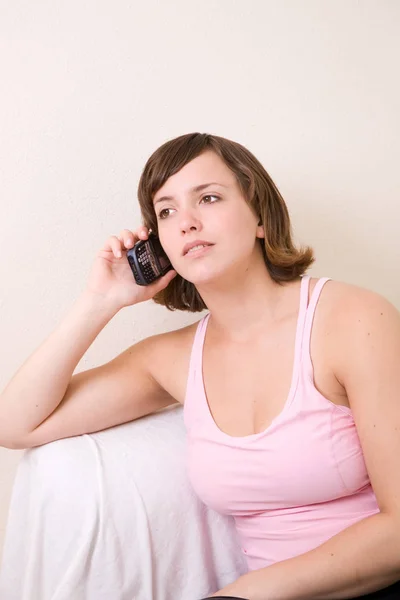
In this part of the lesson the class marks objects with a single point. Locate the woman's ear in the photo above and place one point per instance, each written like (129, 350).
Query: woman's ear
(260, 230)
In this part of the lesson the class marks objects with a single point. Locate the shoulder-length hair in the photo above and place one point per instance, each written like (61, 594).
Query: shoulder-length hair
(283, 261)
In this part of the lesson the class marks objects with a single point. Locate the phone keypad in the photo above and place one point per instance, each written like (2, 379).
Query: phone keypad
(145, 263)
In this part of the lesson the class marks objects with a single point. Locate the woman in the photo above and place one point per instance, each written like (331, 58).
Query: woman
(290, 384)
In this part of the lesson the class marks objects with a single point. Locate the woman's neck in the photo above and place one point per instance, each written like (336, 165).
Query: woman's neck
(244, 307)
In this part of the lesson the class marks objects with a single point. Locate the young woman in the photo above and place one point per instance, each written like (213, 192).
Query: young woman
(290, 384)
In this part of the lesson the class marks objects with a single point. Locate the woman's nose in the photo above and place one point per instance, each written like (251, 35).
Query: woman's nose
(189, 221)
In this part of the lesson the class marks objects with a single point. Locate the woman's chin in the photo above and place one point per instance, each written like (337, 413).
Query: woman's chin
(205, 278)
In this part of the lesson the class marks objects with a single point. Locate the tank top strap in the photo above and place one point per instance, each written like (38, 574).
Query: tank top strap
(306, 361)
(301, 321)
(196, 358)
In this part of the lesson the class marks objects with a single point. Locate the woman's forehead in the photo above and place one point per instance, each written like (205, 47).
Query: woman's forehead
(208, 168)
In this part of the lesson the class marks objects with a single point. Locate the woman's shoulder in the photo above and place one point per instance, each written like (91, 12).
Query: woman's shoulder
(175, 338)
(170, 353)
(345, 300)
(349, 316)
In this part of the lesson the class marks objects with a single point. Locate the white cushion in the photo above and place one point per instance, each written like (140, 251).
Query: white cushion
(112, 516)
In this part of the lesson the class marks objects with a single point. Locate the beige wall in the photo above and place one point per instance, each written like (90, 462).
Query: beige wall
(90, 89)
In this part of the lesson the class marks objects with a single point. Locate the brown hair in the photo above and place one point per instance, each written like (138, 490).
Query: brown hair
(283, 260)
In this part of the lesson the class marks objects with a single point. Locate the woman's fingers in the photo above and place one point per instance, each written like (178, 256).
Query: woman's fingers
(126, 240)
(129, 238)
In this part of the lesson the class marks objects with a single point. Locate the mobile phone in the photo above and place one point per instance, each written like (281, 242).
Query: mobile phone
(148, 260)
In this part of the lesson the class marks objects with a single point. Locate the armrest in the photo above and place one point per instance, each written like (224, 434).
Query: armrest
(112, 515)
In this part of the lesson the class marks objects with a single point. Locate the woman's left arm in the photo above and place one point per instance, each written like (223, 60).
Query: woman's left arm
(365, 556)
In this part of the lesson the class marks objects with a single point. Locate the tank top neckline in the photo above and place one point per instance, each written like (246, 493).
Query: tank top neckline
(300, 327)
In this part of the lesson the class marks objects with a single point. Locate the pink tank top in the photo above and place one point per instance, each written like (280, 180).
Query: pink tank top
(292, 486)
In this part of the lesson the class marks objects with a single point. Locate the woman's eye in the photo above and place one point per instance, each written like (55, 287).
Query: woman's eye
(210, 196)
(163, 214)
(163, 211)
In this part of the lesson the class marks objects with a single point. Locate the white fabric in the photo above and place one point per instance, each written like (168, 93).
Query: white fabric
(112, 516)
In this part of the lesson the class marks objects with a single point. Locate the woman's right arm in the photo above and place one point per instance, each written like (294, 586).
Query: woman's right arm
(44, 401)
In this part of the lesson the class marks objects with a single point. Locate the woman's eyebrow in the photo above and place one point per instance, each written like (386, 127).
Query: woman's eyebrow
(197, 188)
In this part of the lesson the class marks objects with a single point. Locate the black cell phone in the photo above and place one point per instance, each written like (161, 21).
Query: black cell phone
(148, 260)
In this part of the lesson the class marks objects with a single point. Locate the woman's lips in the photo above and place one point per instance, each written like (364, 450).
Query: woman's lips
(198, 252)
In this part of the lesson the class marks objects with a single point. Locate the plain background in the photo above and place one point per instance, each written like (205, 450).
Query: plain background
(90, 89)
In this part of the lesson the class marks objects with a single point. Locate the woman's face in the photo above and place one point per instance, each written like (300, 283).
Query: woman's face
(203, 202)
